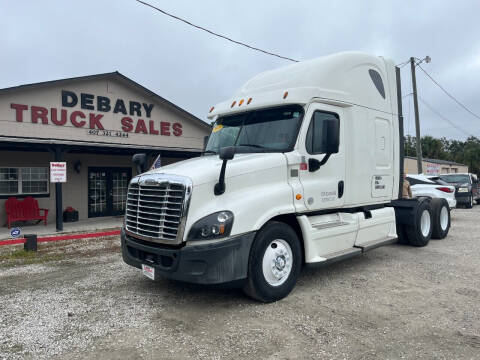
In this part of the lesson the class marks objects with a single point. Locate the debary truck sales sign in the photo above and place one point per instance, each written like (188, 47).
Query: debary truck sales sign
(136, 119)
(111, 111)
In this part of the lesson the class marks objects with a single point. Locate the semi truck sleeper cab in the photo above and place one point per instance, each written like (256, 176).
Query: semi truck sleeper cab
(302, 168)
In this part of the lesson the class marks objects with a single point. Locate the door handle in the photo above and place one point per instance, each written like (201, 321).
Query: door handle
(341, 186)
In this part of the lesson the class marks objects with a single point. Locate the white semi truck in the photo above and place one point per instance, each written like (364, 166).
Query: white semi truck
(303, 168)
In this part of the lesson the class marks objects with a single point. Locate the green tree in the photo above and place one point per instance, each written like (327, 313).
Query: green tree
(465, 152)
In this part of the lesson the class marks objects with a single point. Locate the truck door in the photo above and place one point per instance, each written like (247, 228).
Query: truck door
(324, 187)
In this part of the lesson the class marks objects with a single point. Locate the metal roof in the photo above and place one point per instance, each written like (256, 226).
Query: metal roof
(437, 161)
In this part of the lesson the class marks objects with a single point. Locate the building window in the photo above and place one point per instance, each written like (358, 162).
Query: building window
(24, 181)
(8, 181)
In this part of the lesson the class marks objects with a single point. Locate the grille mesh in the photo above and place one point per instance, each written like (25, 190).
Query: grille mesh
(155, 211)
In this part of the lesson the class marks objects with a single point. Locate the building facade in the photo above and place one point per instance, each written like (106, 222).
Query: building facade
(94, 124)
(433, 166)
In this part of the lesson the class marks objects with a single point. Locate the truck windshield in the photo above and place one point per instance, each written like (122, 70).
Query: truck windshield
(269, 130)
(452, 179)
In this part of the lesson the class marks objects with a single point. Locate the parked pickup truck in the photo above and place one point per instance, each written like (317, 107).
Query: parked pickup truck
(466, 188)
(303, 167)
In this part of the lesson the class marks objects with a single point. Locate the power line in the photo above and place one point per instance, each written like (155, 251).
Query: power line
(214, 33)
(443, 117)
(401, 65)
(448, 94)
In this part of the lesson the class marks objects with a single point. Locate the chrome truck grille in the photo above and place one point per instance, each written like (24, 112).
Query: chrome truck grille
(157, 206)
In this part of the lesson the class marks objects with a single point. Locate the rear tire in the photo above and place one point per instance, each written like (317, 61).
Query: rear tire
(441, 218)
(420, 232)
(402, 235)
(469, 205)
(275, 251)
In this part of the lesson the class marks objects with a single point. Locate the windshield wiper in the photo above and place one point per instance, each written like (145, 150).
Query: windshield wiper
(253, 145)
(209, 152)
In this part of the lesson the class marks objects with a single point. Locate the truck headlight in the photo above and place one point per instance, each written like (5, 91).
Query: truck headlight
(463, 189)
(213, 226)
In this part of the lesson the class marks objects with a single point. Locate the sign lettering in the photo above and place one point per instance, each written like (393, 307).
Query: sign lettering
(58, 172)
(86, 110)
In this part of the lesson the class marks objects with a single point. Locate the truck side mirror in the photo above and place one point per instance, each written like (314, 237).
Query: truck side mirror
(225, 153)
(205, 141)
(140, 160)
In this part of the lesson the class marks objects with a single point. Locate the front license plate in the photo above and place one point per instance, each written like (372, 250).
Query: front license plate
(148, 271)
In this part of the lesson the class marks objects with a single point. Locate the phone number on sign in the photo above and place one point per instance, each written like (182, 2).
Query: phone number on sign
(107, 133)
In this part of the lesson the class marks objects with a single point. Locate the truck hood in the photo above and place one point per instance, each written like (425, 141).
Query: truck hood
(206, 169)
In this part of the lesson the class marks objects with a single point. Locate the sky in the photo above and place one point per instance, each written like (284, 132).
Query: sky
(55, 39)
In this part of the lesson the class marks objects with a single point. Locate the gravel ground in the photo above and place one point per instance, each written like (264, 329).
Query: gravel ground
(78, 300)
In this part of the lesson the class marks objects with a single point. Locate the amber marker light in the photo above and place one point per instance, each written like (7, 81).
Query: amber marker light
(233, 104)
(222, 229)
(240, 103)
(298, 197)
(285, 94)
(211, 109)
(249, 101)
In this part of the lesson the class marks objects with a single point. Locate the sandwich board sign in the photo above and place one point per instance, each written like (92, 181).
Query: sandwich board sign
(58, 172)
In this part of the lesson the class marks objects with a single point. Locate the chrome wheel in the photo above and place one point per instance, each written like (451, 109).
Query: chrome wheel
(425, 223)
(277, 262)
(444, 218)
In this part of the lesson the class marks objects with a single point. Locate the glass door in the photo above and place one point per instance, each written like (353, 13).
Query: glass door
(107, 190)
(120, 179)
(97, 192)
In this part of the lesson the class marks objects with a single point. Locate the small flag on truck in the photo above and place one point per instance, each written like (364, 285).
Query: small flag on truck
(157, 163)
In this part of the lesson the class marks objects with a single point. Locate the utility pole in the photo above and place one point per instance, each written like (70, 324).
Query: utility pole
(417, 119)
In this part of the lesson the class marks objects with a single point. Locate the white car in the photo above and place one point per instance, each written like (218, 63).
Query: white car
(432, 187)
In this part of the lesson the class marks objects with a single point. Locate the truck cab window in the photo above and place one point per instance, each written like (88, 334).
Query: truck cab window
(269, 130)
(377, 81)
(316, 137)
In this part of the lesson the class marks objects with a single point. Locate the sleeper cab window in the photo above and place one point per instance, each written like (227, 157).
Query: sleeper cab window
(377, 81)
(321, 124)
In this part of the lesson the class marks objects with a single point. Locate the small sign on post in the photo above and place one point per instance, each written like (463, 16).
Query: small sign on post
(58, 172)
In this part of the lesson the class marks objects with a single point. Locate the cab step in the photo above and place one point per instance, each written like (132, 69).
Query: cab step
(336, 256)
(375, 244)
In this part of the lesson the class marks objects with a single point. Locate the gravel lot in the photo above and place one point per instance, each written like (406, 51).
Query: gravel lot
(78, 300)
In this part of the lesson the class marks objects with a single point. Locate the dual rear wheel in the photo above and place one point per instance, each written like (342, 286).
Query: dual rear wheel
(431, 219)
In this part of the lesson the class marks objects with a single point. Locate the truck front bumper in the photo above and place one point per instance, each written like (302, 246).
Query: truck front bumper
(463, 197)
(215, 263)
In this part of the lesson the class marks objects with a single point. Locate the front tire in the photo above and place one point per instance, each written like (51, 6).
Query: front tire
(274, 264)
(441, 218)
